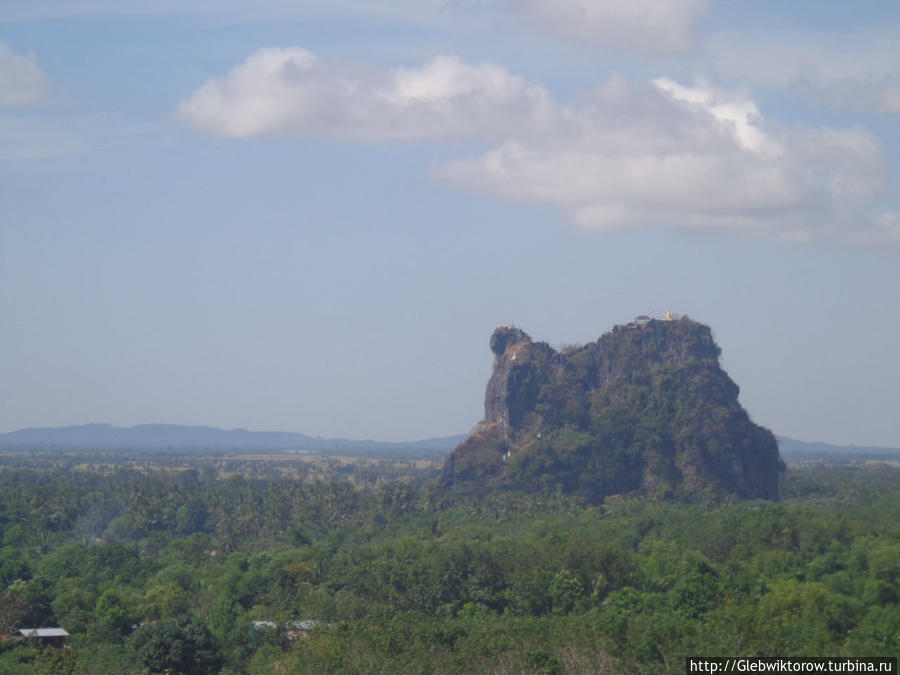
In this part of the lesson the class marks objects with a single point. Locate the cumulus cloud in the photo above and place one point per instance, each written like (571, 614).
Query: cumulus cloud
(688, 157)
(661, 154)
(641, 26)
(21, 79)
(290, 90)
(740, 117)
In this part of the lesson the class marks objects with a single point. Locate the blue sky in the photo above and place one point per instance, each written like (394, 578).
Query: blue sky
(310, 217)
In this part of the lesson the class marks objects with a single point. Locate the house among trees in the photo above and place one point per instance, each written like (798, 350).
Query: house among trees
(55, 637)
(292, 629)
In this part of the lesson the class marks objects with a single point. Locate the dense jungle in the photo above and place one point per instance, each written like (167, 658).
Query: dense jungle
(261, 565)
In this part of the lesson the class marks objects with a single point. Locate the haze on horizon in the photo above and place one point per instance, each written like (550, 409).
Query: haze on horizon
(310, 218)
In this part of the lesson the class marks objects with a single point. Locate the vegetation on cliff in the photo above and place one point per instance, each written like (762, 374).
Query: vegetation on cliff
(645, 407)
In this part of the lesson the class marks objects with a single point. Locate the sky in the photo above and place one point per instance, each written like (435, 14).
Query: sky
(306, 216)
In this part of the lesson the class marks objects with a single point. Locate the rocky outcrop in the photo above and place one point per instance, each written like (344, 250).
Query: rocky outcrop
(645, 407)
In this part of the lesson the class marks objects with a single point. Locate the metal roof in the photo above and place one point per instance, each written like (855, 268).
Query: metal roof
(44, 632)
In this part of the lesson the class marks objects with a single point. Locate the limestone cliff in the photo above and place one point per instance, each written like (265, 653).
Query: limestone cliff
(645, 407)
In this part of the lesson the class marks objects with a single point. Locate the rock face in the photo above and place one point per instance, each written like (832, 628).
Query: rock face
(645, 407)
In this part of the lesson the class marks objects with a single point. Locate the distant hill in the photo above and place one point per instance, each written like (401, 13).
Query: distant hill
(793, 450)
(173, 437)
(645, 407)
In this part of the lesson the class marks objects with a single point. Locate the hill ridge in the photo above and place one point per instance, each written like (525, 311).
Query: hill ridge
(160, 436)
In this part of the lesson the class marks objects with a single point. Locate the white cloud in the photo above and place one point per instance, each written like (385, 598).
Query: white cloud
(273, 91)
(606, 190)
(641, 26)
(664, 154)
(291, 91)
(688, 157)
(21, 79)
(739, 117)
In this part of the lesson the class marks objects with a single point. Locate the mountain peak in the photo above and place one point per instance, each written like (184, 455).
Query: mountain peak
(645, 407)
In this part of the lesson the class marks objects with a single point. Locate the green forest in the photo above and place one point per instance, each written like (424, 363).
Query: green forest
(371, 567)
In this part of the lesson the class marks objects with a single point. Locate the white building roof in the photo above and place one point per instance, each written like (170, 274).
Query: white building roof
(44, 632)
